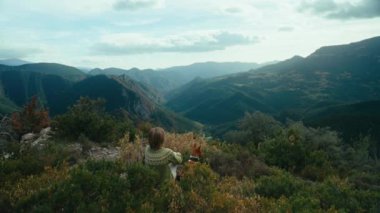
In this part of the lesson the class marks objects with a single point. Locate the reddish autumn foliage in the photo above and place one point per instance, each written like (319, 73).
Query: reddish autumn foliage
(31, 119)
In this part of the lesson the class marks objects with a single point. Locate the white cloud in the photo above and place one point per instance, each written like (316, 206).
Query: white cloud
(18, 52)
(285, 29)
(134, 23)
(138, 4)
(69, 30)
(120, 44)
(233, 10)
(342, 9)
(67, 8)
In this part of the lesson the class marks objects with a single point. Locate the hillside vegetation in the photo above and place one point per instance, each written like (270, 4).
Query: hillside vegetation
(269, 167)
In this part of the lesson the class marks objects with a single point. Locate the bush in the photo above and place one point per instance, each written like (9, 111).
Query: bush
(200, 179)
(282, 184)
(96, 187)
(240, 164)
(334, 192)
(280, 152)
(255, 128)
(11, 194)
(32, 161)
(88, 117)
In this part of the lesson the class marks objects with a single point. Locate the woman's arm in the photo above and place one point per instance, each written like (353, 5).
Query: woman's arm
(176, 157)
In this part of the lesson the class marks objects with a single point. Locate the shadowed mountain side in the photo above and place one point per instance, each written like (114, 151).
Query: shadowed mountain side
(351, 119)
(122, 93)
(19, 87)
(7, 106)
(57, 94)
(116, 94)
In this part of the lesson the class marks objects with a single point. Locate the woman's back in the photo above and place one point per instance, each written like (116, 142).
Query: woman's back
(159, 158)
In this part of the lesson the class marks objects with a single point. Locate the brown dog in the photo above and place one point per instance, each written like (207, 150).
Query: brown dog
(196, 153)
(195, 157)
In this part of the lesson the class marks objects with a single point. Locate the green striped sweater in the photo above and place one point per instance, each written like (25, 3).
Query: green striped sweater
(160, 159)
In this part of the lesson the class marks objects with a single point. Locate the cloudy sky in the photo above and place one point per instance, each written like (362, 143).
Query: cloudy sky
(162, 33)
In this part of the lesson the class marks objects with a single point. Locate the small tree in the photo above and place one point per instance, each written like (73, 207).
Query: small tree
(88, 117)
(254, 128)
(31, 119)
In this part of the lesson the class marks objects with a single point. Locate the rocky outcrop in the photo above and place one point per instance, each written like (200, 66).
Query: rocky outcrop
(96, 152)
(36, 140)
(102, 153)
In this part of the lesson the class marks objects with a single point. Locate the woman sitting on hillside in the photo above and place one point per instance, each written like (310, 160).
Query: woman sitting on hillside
(158, 157)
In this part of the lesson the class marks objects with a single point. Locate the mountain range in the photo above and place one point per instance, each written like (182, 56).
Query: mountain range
(333, 84)
(59, 86)
(165, 80)
(294, 88)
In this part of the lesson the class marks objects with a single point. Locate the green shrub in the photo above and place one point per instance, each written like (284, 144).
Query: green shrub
(335, 192)
(32, 161)
(88, 117)
(282, 153)
(96, 187)
(239, 164)
(282, 184)
(255, 128)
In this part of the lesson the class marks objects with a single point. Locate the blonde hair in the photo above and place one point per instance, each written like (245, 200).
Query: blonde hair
(156, 137)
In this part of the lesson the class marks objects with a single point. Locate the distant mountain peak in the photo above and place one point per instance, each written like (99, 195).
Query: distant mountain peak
(296, 58)
(134, 69)
(13, 62)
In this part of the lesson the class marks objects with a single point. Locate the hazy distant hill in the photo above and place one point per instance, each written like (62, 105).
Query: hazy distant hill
(331, 75)
(13, 62)
(164, 80)
(67, 72)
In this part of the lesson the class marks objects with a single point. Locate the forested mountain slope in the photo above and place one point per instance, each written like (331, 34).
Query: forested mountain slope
(331, 75)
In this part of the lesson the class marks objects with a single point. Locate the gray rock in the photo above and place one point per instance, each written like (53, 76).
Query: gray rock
(75, 148)
(36, 140)
(99, 153)
(46, 131)
(28, 138)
